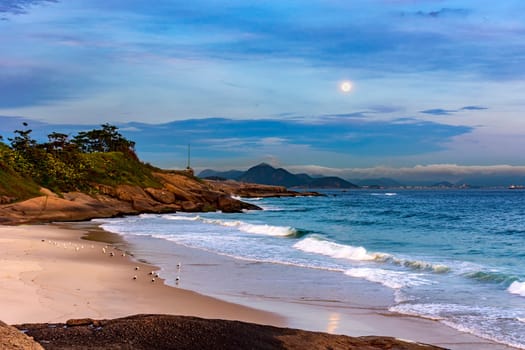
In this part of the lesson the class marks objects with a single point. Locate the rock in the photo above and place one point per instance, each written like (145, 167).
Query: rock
(6, 199)
(183, 332)
(229, 205)
(79, 322)
(190, 206)
(161, 195)
(47, 192)
(12, 338)
(179, 192)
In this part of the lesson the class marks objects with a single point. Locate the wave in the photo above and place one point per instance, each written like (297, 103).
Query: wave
(341, 251)
(517, 288)
(182, 218)
(491, 277)
(239, 198)
(388, 278)
(335, 250)
(482, 321)
(261, 229)
(420, 265)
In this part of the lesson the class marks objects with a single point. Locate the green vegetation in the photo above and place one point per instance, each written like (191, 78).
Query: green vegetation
(99, 156)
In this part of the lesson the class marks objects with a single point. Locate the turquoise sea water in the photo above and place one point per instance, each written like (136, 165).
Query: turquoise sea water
(457, 256)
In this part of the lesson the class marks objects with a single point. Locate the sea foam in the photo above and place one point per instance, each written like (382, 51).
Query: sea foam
(260, 229)
(335, 250)
(388, 278)
(517, 288)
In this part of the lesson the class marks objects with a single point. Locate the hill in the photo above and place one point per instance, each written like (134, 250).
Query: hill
(268, 175)
(228, 175)
(97, 174)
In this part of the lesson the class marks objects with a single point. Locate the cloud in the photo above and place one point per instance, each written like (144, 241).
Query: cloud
(444, 12)
(31, 86)
(20, 7)
(439, 111)
(228, 138)
(473, 108)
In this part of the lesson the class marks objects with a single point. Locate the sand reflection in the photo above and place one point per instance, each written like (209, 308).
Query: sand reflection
(333, 322)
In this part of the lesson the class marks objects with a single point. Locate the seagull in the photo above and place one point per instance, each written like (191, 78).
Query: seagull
(111, 254)
(177, 279)
(156, 275)
(152, 280)
(179, 265)
(104, 250)
(136, 268)
(134, 277)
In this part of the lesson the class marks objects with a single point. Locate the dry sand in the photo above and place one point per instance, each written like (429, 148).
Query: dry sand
(50, 274)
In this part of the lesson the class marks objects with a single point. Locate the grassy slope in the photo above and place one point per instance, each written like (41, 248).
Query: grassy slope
(114, 168)
(13, 185)
(104, 168)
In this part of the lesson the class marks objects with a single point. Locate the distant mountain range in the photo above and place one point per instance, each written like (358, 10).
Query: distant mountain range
(268, 175)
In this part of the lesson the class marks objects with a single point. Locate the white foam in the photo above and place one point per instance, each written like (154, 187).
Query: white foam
(388, 278)
(261, 229)
(182, 218)
(335, 250)
(517, 288)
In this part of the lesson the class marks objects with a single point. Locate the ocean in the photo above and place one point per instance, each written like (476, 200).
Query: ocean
(456, 256)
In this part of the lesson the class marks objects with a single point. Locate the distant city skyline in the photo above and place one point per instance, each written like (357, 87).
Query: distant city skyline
(399, 85)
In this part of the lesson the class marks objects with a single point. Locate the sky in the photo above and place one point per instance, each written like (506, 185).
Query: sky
(355, 88)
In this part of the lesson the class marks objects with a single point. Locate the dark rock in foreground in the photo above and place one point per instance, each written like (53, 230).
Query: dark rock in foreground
(181, 332)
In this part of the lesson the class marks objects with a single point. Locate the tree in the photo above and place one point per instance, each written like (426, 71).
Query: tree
(106, 139)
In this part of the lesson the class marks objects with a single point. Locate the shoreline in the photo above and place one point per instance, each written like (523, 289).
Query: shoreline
(96, 285)
(364, 313)
(50, 274)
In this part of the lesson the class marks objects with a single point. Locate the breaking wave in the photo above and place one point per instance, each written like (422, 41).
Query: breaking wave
(517, 288)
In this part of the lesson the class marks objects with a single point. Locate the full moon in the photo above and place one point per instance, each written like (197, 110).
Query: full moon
(345, 86)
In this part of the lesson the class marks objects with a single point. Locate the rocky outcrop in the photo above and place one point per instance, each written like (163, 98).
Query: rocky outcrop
(181, 332)
(12, 338)
(251, 190)
(178, 192)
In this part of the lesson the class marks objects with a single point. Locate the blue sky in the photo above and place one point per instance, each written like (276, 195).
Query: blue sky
(435, 83)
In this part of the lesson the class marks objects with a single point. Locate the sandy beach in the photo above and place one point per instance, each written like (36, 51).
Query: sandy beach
(48, 273)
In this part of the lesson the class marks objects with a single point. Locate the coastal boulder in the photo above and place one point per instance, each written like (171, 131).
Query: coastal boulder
(161, 195)
(229, 205)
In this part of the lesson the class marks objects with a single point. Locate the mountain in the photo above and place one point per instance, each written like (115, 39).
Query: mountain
(330, 182)
(267, 175)
(230, 174)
